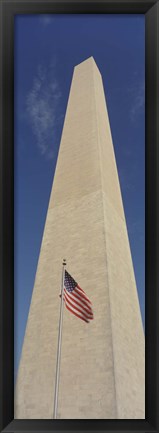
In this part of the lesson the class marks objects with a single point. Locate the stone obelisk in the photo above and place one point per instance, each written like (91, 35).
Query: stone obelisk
(102, 363)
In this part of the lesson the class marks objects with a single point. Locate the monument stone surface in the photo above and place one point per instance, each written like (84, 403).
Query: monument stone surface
(102, 363)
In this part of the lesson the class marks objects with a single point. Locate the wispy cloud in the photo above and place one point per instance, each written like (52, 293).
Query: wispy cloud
(128, 176)
(126, 182)
(137, 228)
(46, 19)
(138, 101)
(42, 108)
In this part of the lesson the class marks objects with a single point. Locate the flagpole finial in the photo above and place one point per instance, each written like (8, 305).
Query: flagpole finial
(64, 262)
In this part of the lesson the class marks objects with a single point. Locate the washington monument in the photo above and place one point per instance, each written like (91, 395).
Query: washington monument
(102, 362)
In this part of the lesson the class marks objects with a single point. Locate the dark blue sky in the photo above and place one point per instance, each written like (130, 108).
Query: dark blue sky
(47, 47)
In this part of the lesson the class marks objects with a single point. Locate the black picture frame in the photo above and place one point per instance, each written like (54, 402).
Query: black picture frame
(7, 11)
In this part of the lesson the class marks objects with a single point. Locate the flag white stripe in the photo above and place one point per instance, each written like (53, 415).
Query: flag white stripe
(82, 295)
(76, 314)
(74, 309)
(76, 306)
(79, 300)
(81, 292)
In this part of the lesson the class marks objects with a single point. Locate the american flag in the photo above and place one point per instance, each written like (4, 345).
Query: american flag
(76, 300)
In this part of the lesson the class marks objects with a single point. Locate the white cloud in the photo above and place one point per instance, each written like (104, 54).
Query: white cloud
(138, 101)
(46, 19)
(137, 228)
(126, 182)
(42, 108)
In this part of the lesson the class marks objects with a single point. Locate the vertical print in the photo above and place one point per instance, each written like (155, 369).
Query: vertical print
(79, 196)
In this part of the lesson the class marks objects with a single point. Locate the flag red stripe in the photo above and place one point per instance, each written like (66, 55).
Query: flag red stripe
(78, 295)
(81, 304)
(73, 312)
(85, 314)
(74, 307)
(80, 291)
(83, 293)
(79, 307)
(84, 306)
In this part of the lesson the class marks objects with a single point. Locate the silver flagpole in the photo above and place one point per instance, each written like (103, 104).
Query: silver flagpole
(59, 345)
